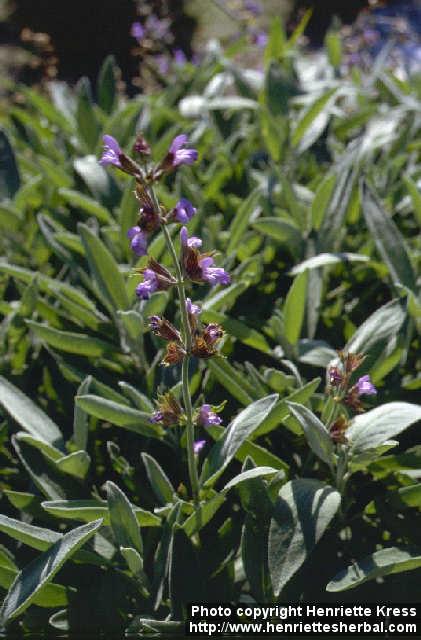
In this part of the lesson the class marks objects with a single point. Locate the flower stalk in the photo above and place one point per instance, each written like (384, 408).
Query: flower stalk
(194, 339)
(187, 339)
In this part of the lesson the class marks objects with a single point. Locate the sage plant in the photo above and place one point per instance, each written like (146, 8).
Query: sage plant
(190, 266)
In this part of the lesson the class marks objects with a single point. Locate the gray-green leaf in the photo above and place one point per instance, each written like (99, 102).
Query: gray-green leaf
(302, 513)
(42, 570)
(381, 563)
(375, 427)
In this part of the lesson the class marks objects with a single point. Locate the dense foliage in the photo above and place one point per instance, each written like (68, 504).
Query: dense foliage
(307, 187)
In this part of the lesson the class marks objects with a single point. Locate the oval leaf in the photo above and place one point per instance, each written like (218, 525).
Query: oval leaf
(302, 513)
(381, 424)
(317, 436)
(381, 563)
(123, 519)
(237, 432)
(39, 572)
(28, 415)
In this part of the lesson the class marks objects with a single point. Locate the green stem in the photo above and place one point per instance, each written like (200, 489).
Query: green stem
(187, 338)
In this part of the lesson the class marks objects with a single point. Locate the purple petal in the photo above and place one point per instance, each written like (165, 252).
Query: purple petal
(365, 386)
(132, 232)
(137, 31)
(148, 286)
(139, 244)
(111, 152)
(194, 242)
(185, 156)
(184, 236)
(180, 57)
(184, 210)
(178, 142)
(112, 143)
(192, 309)
(208, 417)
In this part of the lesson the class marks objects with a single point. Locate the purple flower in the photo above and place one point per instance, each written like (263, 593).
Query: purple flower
(179, 155)
(137, 31)
(207, 417)
(365, 387)
(213, 275)
(193, 242)
(184, 211)
(198, 446)
(192, 309)
(111, 153)
(148, 286)
(138, 241)
(158, 416)
(259, 38)
(213, 333)
(180, 58)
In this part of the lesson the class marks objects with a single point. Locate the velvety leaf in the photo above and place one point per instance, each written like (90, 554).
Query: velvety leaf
(383, 324)
(51, 595)
(119, 414)
(241, 220)
(184, 562)
(104, 269)
(231, 379)
(280, 411)
(106, 87)
(28, 415)
(88, 126)
(200, 517)
(409, 496)
(415, 196)
(44, 472)
(282, 231)
(75, 464)
(302, 513)
(160, 483)
(316, 433)
(237, 432)
(325, 259)
(42, 570)
(80, 417)
(313, 121)
(244, 476)
(89, 510)
(380, 424)
(254, 556)
(294, 308)
(389, 241)
(321, 200)
(381, 563)
(72, 342)
(35, 537)
(86, 204)
(123, 519)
